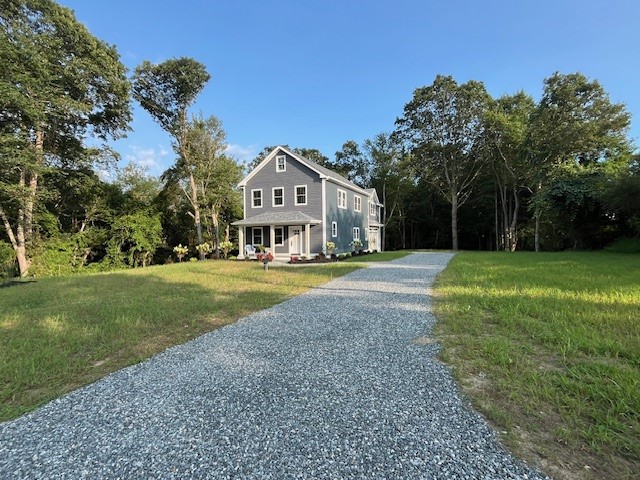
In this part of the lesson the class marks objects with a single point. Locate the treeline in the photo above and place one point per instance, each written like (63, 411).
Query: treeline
(458, 169)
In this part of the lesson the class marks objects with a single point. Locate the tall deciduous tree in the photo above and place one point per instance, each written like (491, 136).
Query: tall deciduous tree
(506, 128)
(443, 126)
(214, 174)
(58, 85)
(166, 91)
(574, 123)
(352, 163)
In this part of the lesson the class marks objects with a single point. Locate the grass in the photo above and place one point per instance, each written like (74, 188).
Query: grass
(548, 346)
(58, 334)
(378, 257)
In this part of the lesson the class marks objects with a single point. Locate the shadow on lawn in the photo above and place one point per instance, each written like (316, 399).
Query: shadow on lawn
(59, 334)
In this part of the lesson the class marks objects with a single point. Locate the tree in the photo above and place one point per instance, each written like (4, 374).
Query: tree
(389, 175)
(505, 134)
(166, 91)
(442, 126)
(58, 85)
(214, 175)
(352, 163)
(574, 123)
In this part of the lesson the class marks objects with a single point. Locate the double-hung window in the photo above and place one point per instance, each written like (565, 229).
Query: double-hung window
(342, 199)
(281, 163)
(301, 195)
(356, 233)
(278, 196)
(256, 198)
(372, 209)
(279, 235)
(257, 235)
(357, 203)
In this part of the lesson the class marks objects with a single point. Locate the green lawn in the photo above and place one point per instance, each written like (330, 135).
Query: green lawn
(58, 334)
(548, 346)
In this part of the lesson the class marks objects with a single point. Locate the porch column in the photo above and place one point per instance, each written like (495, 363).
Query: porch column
(241, 243)
(307, 239)
(272, 240)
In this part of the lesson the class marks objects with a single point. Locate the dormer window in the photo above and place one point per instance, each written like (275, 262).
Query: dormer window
(281, 163)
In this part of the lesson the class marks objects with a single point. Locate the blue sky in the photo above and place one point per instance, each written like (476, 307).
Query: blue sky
(316, 74)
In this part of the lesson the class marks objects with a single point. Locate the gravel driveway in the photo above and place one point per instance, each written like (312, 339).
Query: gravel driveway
(340, 382)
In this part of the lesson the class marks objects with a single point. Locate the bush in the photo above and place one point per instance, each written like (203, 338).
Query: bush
(7, 262)
(624, 245)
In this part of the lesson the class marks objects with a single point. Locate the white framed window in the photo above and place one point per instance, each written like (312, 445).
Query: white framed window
(342, 198)
(372, 209)
(257, 236)
(334, 229)
(278, 196)
(357, 203)
(256, 198)
(279, 236)
(356, 233)
(301, 194)
(281, 163)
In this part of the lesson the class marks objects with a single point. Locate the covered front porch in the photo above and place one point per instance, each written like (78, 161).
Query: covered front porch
(285, 235)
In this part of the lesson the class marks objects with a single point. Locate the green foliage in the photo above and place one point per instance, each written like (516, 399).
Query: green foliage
(7, 262)
(167, 89)
(59, 85)
(443, 127)
(625, 245)
(134, 239)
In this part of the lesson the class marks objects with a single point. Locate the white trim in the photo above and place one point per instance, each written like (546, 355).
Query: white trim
(334, 224)
(372, 205)
(357, 206)
(356, 233)
(261, 198)
(281, 244)
(273, 197)
(324, 212)
(295, 194)
(284, 163)
(346, 201)
(244, 203)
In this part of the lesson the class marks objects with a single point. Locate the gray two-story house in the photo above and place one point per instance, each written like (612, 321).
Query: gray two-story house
(294, 206)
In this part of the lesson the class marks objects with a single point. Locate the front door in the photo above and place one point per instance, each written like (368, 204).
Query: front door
(295, 240)
(373, 240)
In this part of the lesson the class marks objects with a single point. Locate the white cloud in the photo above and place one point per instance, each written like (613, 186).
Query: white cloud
(242, 154)
(150, 158)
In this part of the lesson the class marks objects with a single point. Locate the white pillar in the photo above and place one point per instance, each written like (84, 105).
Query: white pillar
(272, 240)
(307, 239)
(241, 243)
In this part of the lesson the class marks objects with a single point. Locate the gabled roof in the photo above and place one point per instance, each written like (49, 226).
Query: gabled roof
(323, 172)
(278, 218)
(374, 195)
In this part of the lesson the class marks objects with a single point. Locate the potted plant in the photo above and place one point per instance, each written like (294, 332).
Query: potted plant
(180, 251)
(331, 249)
(226, 247)
(357, 246)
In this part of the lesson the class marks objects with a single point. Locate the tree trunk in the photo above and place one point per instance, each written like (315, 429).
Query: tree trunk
(196, 211)
(216, 227)
(513, 232)
(537, 215)
(384, 217)
(454, 220)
